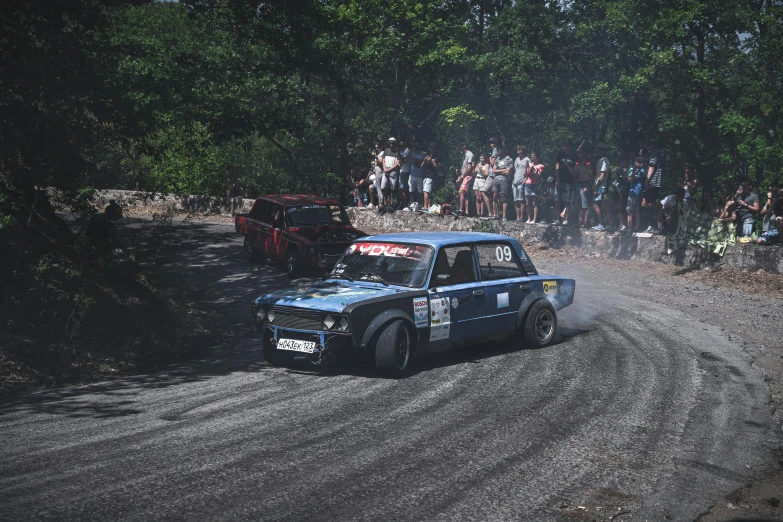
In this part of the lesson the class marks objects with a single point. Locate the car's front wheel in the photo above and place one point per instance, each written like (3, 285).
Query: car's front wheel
(540, 325)
(293, 263)
(394, 350)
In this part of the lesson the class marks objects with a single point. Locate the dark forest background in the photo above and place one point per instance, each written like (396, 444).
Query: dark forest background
(280, 96)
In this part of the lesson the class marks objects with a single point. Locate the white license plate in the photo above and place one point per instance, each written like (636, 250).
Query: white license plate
(296, 345)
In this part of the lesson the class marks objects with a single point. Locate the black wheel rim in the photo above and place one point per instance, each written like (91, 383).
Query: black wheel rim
(403, 349)
(545, 325)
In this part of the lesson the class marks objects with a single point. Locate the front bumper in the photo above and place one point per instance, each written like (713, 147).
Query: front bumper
(328, 345)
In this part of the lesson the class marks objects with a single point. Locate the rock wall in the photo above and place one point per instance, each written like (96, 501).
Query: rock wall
(201, 204)
(621, 246)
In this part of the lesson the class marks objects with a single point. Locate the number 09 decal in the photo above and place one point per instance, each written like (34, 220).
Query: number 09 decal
(503, 253)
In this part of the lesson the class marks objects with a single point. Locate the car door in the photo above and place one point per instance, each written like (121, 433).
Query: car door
(505, 281)
(274, 240)
(457, 302)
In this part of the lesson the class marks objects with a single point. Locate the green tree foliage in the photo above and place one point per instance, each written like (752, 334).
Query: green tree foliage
(198, 95)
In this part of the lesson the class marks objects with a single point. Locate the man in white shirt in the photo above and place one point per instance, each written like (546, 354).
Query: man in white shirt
(521, 164)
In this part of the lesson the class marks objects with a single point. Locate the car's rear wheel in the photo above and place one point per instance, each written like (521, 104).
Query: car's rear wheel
(247, 248)
(540, 325)
(272, 355)
(394, 350)
(293, 263)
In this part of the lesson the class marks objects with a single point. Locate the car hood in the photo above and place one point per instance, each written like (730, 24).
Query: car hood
(326, 296)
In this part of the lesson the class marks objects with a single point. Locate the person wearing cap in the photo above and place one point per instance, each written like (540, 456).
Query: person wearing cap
(391, 174)
(431, 166)
(599, 189)
(653, 181)
(501, 191)
(565, 162)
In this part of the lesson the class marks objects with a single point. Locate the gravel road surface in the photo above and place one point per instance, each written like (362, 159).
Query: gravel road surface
(640, 411)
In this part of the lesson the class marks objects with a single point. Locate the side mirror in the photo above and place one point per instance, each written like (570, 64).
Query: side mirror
(443, 278)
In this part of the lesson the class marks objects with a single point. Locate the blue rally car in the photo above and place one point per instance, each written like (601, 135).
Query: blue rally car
(394, 296)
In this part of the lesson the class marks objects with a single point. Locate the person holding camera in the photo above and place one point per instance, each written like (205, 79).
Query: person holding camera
(773, 217)
(748, 205)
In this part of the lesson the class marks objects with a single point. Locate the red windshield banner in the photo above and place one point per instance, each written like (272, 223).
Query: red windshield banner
(388, 249)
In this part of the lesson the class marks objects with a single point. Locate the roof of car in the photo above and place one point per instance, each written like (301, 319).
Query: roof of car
(436, 239)
(299, 199)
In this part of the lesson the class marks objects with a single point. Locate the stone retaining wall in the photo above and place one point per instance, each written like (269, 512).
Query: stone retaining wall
(201, 204)
(622, 246)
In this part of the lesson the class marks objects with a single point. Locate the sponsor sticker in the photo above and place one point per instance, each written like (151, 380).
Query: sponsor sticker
(441, 322)
(503, 300)
(550, 287)
(454, 303)
(421, 311)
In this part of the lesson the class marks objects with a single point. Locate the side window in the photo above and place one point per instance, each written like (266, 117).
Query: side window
(337, 213)
(456, 262)
(498, 261)
(276, 216)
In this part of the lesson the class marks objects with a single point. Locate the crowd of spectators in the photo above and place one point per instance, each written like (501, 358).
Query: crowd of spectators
(620, 195)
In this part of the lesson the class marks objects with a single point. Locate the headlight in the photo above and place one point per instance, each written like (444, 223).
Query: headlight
(270, 316)
(328, 322)
(343, 324)
(260, 314)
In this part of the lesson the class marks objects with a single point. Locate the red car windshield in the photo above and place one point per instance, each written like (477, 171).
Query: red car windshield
(313, 215)
(387, 263)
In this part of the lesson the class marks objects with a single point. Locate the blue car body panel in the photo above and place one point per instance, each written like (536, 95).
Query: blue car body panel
(475, 311)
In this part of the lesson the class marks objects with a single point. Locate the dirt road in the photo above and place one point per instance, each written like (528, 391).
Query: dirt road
(647, 408)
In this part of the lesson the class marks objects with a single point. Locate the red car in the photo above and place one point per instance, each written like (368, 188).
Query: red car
(301, 230)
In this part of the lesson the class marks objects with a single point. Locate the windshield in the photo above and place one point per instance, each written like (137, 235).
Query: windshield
(387, 263)
(315, 215)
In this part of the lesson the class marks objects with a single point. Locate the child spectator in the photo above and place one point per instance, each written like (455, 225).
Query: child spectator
(521, 164)
(635, 180)
(534, 176)
(690, 183)
(482, 174)
(601, 180)
(773, 217)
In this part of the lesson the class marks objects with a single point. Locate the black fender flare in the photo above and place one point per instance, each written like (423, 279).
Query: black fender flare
(527, 302)
(383, 319)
